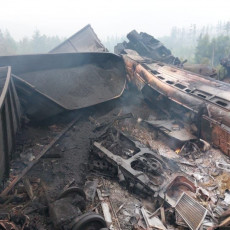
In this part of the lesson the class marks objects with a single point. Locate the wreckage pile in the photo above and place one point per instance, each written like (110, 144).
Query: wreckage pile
(147, 46)
(126, 144)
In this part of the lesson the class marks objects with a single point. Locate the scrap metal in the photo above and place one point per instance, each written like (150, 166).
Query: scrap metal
(49, 84)
(67, 212)
(152, 222)
(192, 108)
(203, 103)
(176, 131)
(85, 40)
(191, 211)
(9, 119)
(147, 46)
(136, 165)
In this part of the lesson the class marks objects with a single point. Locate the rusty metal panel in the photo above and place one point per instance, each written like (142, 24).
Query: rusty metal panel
(9, 120)
(84, 40)
(221, 138)
(182, 90)
(191, 211)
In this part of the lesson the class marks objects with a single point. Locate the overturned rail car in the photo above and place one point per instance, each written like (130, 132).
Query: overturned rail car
(202, 102)
(48, 84)
(9, 119)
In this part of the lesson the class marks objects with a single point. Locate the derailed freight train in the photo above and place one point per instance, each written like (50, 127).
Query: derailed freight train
(201, 102)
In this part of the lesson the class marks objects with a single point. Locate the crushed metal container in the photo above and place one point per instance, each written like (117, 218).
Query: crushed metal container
(49, 84)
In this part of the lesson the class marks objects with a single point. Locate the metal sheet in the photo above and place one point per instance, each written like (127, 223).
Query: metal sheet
(84, 40)
(191, 211)
(172, 129)
(9, 120)
(59, 82)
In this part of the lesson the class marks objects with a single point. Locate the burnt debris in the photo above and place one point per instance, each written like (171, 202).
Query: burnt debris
(98, 141)
(147, 46)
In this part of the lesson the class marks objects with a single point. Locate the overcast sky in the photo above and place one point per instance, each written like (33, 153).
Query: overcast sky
(108, 17)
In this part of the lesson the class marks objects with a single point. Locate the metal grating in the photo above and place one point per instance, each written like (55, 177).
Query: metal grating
(191, 211)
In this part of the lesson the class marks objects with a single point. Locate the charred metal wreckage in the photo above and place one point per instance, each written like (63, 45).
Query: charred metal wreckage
(187, 111)
(135, 164)
(9, 119)
(147, 46)
(203, 103)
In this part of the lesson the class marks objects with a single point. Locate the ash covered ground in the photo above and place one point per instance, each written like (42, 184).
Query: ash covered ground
(67, 164)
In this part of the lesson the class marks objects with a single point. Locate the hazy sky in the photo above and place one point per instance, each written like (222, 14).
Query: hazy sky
(108, 17)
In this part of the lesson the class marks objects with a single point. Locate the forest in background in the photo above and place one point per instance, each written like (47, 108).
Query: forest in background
(203, 45)
(38, 43)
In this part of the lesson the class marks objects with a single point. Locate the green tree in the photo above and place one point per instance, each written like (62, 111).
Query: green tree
(38, 43)
(221, 48)
(227, 27)
(8, 45)
(203, 50)
(210, 51)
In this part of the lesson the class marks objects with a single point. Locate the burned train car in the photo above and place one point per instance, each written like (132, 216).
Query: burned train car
(201, 102)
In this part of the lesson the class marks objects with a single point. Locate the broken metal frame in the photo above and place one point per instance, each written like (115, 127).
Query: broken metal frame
(154, 166)
(131, 173)
(125, 166)
(138, 179)
(9, 121)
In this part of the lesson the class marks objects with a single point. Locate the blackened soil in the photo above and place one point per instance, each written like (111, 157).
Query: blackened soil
(73, 147)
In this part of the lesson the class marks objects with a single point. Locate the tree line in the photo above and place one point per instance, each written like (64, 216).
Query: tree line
(204, 45)
(38, 43)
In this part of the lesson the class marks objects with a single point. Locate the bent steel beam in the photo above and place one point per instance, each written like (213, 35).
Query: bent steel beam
(9, 119)
(85, 40)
